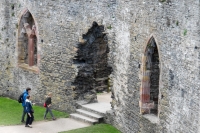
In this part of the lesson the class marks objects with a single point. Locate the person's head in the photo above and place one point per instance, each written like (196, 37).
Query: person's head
(28, 97)
(28, 90)
(49, 94)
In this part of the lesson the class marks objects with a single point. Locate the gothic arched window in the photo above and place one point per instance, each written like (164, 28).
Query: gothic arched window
(149, 90)
(27, 40)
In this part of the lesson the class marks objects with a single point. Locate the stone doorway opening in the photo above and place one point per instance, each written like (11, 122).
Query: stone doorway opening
(149, 91)
(92, 66)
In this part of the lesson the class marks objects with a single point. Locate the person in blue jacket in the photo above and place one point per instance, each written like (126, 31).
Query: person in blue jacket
(25, 94)
(29, 111)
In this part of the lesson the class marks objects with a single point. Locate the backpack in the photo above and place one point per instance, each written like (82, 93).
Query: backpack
(20, 99)
(45, 105)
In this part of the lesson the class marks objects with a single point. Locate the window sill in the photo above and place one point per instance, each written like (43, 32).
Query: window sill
(29, 68)
(152, 118)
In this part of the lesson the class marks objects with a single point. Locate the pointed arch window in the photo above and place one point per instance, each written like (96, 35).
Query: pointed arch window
(149, 90)
(27, 41)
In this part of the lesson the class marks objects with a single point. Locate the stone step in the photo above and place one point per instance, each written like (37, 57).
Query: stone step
(89, 114)
(93, 111)
(83, 118)
(97, 108)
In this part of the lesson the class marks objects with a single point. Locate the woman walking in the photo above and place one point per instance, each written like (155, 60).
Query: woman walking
(48, 106)
(29, 111)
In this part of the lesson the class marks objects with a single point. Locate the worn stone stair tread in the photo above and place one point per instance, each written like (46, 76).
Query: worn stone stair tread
(84, 118)
(89, 113)
(99, 108)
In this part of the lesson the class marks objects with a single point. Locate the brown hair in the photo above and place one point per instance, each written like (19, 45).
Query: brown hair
(27, 97)
(27, 89)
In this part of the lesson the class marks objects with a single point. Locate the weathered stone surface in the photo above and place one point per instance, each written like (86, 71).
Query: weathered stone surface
(59, 25)
(129, 24)
(92, 64)
(174, 25)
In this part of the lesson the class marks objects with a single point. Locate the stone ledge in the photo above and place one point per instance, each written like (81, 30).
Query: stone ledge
(152, 118)
(24, 66)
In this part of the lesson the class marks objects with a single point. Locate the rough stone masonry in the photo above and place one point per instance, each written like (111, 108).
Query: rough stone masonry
(92, 65)
(127, 26)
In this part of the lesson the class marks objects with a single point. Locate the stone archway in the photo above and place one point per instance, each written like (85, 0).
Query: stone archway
(149, 90)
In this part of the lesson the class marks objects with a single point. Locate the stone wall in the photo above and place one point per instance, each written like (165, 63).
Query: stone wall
(59, 25)
(175, 27)
(129, 24)
(4, 51)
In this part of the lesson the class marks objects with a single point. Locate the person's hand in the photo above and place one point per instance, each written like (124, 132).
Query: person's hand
(29, 114)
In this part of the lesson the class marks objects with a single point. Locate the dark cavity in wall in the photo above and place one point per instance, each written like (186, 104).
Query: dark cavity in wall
(153, 67)
(91, 61)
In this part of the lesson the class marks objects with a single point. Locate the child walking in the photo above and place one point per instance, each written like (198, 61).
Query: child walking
(29, 111)
(48, 106)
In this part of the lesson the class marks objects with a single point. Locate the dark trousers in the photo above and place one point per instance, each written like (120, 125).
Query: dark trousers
(48, 109)
(23, 114)
(29, 119)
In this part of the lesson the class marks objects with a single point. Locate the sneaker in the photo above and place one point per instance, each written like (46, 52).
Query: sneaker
(53, 118)
(28, 126)
(22, 121)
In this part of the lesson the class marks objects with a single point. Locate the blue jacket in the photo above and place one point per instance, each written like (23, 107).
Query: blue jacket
(28, 106)
(24, 98)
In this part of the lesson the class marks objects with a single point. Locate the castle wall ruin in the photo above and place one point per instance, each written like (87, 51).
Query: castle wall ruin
(129, 25)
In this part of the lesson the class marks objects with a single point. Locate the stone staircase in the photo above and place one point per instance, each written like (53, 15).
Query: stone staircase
(91, 113)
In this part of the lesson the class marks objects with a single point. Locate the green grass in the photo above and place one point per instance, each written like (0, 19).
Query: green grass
(11, 112)
(99, 128)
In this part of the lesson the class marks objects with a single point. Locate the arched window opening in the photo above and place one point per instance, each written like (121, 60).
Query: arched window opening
(27, 40)
(150, 79)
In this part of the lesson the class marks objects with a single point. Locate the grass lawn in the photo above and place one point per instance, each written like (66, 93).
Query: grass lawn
(98, 128)
(11, 112)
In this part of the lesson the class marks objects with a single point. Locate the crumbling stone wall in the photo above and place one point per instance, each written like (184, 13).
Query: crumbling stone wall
(59, 25)
(130, 24)
(92, 64)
